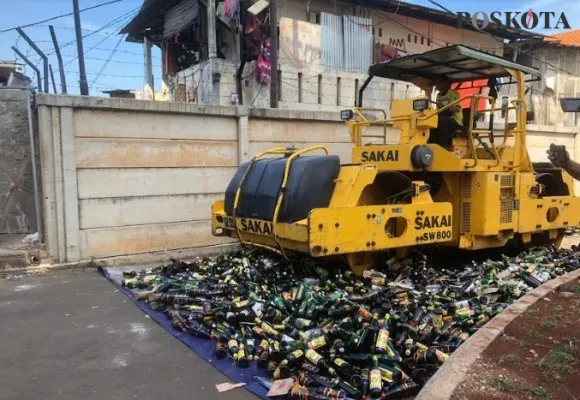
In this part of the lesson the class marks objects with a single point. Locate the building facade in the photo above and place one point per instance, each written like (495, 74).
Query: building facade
(325, 49)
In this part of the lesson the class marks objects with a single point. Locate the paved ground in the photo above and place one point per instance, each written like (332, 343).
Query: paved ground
(68, 335)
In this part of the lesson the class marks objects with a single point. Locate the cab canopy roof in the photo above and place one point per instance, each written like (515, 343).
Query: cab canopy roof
(456, 63)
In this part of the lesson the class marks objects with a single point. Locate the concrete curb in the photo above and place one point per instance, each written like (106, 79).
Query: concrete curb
(451, 374)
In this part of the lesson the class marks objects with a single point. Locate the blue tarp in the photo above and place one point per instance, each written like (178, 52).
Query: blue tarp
(204, 348)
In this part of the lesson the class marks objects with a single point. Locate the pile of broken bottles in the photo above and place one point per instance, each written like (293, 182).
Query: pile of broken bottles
(338, 335)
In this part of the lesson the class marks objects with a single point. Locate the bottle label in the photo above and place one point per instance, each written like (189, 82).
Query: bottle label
(317, 343)
(442, 357)
(313, 356)
(297, 353)
(438, 321)
(232, 343)
(375, 379)
(386, 374)
(382, 339)
(339, 362)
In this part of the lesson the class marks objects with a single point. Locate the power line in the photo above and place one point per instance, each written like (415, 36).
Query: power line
(108, 61)
(115, 21)
(60, 16)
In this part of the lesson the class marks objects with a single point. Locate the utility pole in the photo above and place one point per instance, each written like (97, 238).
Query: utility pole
(59, 58)
(149, 88)
(84, 86)
(274, 85)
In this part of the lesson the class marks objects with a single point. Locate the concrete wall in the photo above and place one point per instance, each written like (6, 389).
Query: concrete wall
(128, 177)
(17, 209)
(125, 177)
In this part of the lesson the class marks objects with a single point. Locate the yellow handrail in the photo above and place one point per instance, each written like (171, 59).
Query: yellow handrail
(366, 122)
(277, 150)
(283, 188)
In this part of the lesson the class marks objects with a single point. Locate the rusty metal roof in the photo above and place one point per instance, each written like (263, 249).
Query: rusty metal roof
(150, 16)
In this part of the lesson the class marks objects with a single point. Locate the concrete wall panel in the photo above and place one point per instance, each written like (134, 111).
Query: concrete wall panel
(111, 153)
(270, 130)
(140, 239)
(132, 124)
(129, 182)
(343, 150)
(111, 212)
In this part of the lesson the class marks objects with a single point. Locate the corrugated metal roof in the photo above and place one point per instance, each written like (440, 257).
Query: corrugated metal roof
(180, 17)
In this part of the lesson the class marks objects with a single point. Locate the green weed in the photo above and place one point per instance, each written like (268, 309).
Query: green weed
(511, 358)
(549, 324)
(503, 384)
(540, 393)
(535, 335)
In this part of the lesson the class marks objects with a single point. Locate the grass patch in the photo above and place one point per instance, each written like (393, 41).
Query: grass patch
(556, 363)
(502, 384)
(558, 309)
(510, 358)
(522, 344)
(575, 289)
(540, 393)
(532, 311)
(535, 335)
(549, 324)
(551, 375)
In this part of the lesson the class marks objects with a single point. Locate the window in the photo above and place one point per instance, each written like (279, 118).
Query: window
(380, 32)
(409, 38)
(338, 91)
(317, 18)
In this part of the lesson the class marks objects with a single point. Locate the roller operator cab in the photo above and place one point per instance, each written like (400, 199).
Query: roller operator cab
(469, 186)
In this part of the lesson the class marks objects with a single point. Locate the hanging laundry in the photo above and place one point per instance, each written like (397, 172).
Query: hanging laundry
(231, 8)
(263, 64)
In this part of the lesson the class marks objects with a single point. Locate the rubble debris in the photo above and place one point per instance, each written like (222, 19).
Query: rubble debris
(337, 335)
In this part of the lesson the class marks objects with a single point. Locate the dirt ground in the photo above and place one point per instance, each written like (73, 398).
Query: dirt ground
(537, 357)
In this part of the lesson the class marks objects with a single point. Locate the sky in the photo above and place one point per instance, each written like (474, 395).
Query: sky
(125, 70)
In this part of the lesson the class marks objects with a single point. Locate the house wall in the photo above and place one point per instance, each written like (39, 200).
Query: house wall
(132, 178)
(305, 82)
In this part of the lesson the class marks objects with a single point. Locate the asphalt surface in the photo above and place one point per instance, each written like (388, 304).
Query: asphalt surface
(71, 335)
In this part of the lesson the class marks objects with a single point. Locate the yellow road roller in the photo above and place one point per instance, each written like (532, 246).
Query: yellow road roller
(470, 186)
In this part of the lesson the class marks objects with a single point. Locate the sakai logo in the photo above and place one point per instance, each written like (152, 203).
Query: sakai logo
(433, 221)
(518, 19)
(390, 155)
(256, 226)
